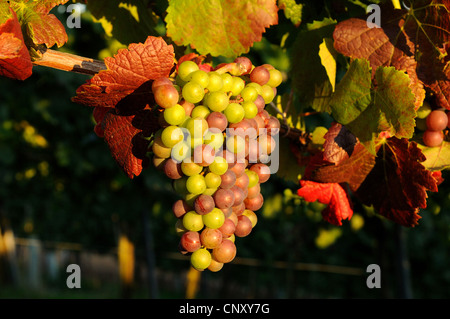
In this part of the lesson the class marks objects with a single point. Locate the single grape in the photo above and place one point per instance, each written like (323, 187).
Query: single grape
(228, 179)
(219, 166)
(238, 84)
(225, 252)
(276, 78)
(268, 93)
(224, 198)
(214, 137)
(188, 107)
(180, 151)
(239, 195)
(249, 94)
(244, 64)
(161, 81)
(260, 75)
(190, 241)
(174, 115)
(217, 101)
(433, 138)
(166, 95)
(228, 227)
(217, 120)
(238, 169)
(252, 177)
(201, 77)
(213, 180)
(215, 266)
(201, 259)
(437, 121)
(255, 203)
(200, 111)
(193, 92)
(172, 169)
(195, 184)
(189, 168)
(215, 82)
(243, 227)
(214, 219)
(204, 154)
(204, 204)
(239, 209)
(180, 207)
(227, 80)
(254, 191)
(210, 237)
(186, 68)
(242, 181)
(262, 170)
(273, 126)
(172, 135)
(250, 110)
(159, 149)
(193, 221)
(197, 127)
(252, 216)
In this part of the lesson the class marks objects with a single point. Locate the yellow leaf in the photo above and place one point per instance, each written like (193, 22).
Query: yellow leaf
(327, 55)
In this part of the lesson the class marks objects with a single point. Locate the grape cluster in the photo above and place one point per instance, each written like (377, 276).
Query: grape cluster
(215, 143)
(434, 123)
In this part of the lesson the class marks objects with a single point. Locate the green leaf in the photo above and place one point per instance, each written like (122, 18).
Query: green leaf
(438, 158)
(368, 109)
(309, 76)
(127, 22)
(219, 27)
(292, 10)
(40, 27)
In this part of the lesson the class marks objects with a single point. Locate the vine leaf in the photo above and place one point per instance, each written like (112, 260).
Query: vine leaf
(397, 185)
(438, 158)
(368, 109)
(309, 76)
(38, 25)
(122, 99)
(333, 195)
(15, 60)
(218, 27)
(414, 41)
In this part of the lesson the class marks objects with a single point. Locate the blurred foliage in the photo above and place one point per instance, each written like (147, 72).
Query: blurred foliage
(60, 183)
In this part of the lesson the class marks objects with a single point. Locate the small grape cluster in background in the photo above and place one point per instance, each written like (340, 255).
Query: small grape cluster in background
(433, 122)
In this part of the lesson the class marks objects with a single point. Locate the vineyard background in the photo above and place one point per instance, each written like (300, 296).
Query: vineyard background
(64, 200)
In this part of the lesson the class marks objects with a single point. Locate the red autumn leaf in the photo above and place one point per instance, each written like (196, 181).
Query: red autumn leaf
(331, 194)
(397, 185)
(123, 99)
(343, 160)
(15, 60)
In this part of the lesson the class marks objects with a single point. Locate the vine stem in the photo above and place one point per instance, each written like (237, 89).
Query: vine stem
(70, 62)
(78, 64)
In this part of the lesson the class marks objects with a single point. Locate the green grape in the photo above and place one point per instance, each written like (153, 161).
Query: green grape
(227, 80)
(193, 221)
(193, 92)
(255, 86)
(234, 113)
(195, 184)
(185, 69)
(217, 101)
(213, 180)
(200, 111)
(159, 149)
(249, 94)
(235, 144)
(267, 93)
(201, 259)
(189, 168)
(214, 219)
(180, 151)
(250, 109)
(276, 77)
(219, 166)
(197, 127)
(172, 135)
(215, 82)
(201, 77)
(253, 178)
(214, 137)
(174, 115)
(237, 86)
(424, 110)
(210, 191)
